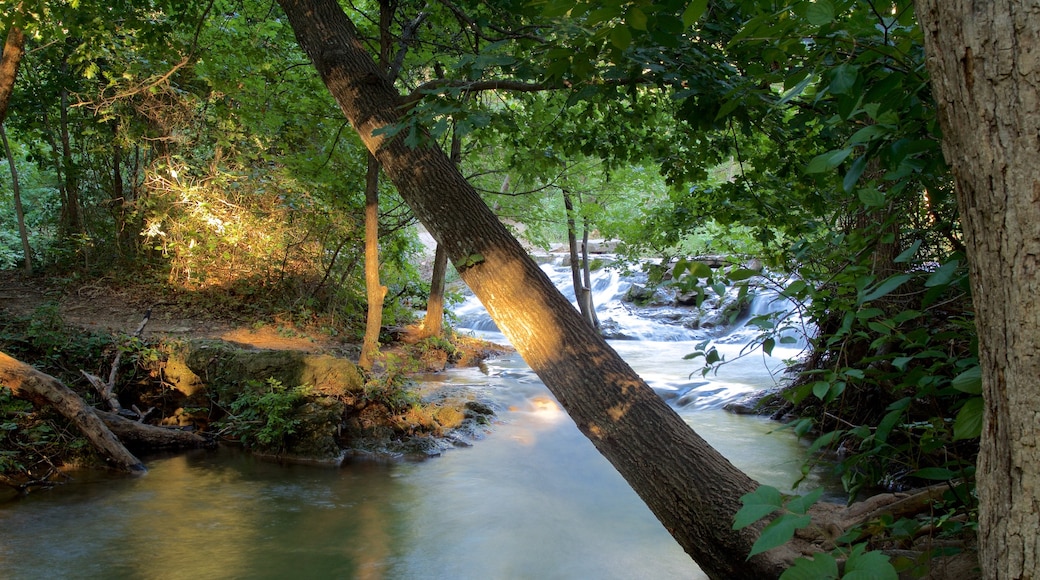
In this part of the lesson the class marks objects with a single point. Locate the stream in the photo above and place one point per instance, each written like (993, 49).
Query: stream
(531, 499)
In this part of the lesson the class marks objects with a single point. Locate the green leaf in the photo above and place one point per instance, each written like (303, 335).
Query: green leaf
(863, 565)
(636, 18)
(699, 269)
(757, 505)
(821, 567)
(827, 161)
(768, 345)
(820, 13)
(820, 389)
(970, 381)
(935, 473)
(843, 79)
(968, 424)
(871, 197)
(620, 37)
(885, 288)
(908, 253)
(694, 12)
(802, 503)
(853, 174)
(778, 532)
(943, 275)
(796, 90)
(867, 133)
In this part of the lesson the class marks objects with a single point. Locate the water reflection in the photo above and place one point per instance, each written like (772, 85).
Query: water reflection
(531, 500)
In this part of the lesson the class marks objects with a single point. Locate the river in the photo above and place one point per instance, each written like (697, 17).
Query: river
(531, 499)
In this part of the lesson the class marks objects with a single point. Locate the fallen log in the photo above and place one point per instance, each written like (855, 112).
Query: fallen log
(143, 436)
(42, 390)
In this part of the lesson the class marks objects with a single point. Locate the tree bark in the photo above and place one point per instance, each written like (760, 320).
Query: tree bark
(581, 292)
(693, 490)
(434, 320)
(985, 71)
(42, 389)
(376, 292)
(14, 50)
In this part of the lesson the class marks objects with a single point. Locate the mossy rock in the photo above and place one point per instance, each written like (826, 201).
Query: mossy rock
(226, 368)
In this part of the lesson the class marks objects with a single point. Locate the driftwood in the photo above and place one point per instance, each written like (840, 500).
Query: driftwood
(143, 436)
(42, 389)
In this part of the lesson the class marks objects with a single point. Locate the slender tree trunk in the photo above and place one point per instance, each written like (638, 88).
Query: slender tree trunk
(693, 490)
(376, 292)
(14, 50)
(434, 321)
(582, 293)
(985, 71)
(587, 273)
(71, 215)
(18, 211)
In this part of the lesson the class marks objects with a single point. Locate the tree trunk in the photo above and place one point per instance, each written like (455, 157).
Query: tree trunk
(985, 71)
(42, 389)
(434, 321)
(580, 291)
(14, 50)
(587, 273)
(693, 490)
(71, 223)
(18, 211)
(376, 291)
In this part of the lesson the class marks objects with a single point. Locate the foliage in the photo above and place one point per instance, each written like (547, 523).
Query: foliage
(35, 445)
(266, 415)
(766, 500)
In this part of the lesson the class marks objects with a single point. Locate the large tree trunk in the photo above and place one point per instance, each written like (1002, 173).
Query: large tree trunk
(985, 70)
(44, 390)
(691, 488)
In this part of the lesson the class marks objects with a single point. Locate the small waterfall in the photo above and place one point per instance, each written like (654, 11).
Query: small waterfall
(661, 318)
(664, 329)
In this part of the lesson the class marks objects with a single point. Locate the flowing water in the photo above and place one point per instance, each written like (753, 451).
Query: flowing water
(532, 499)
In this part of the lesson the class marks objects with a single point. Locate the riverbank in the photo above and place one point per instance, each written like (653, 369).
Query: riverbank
(286, 391)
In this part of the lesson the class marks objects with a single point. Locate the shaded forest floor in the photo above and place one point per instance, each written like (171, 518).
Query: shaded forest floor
(110, 306)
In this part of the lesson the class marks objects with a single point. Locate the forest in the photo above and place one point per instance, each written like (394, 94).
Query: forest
(273, 164)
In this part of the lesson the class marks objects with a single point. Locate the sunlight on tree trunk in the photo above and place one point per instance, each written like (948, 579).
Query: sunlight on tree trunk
(14, 50)
(434, 321)
(375, 290)
(692, 489)
(985, 70)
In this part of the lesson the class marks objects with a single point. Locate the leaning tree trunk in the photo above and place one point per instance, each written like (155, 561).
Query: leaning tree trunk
(693, 490)
(985, 71)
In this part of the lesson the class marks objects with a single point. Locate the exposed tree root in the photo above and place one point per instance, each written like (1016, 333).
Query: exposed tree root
(831, 522)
